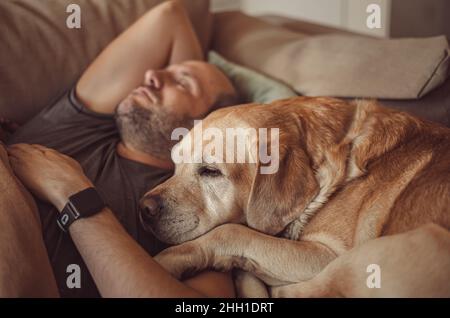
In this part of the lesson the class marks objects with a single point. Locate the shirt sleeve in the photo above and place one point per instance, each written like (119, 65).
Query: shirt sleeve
(68, 126)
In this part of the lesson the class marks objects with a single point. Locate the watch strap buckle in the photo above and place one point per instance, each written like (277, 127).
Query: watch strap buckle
(67, 216)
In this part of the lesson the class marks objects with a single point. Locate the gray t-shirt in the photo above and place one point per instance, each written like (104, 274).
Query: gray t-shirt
(91, 138)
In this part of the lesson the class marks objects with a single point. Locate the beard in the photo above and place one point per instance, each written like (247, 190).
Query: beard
(149, 130)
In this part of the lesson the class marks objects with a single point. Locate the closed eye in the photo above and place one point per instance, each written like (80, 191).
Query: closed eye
(184, 80)
(183, 83)
(209, 172)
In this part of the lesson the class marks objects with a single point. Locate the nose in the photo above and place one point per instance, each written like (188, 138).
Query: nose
(153, 79)
(150, 207)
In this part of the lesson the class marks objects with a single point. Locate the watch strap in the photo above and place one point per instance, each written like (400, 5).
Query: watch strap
(80, 205)
(67, 216)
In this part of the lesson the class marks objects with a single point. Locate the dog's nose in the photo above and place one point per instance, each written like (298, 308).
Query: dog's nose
(150, 207)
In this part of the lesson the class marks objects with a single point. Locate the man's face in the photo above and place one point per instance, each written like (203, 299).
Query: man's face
(168, 99)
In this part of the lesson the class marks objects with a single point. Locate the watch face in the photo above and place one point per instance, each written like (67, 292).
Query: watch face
(87, 202)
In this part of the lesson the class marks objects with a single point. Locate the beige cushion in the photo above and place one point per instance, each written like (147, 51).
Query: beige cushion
(40, 57)
(334, 65)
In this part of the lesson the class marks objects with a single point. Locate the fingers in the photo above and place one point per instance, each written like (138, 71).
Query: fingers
(49, 151)
(18, 153)
(43, 148)
(37, 154)
(21, 150)
(20, 156)
(18, 149)
(29, 147)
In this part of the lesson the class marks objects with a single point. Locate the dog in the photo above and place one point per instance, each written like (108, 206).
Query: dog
(349, 172)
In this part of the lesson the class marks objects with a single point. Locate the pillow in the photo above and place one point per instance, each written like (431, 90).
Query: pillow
(251, 86)
(334, 65)
(40, 58)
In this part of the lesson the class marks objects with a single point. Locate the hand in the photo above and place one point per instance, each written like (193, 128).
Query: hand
(48, 174)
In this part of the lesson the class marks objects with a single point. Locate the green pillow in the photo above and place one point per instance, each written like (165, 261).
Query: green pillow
(253, 87)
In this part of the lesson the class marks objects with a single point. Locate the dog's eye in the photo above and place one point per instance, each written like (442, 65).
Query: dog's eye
(209, 172)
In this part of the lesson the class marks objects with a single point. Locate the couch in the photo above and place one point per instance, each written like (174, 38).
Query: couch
(41, 58)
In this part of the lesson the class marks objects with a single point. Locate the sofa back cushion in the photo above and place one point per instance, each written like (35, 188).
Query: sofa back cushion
(40, 57)
(334, 64)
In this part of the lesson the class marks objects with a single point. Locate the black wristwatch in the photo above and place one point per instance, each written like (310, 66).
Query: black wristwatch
(81, 205)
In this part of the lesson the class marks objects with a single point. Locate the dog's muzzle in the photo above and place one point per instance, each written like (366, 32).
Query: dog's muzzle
(150, 209)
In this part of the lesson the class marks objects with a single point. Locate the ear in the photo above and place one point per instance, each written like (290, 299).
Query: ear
(277, 199)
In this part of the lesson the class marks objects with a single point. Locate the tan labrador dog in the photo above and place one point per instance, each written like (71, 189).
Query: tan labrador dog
(349, 172)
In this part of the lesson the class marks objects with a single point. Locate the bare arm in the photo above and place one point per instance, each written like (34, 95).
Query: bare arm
(25, 269)
(119, 266)
(162, 36)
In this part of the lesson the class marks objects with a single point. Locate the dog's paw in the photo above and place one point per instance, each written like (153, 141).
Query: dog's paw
(183, 261)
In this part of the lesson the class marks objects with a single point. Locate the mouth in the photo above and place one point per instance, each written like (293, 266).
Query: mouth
(166, 230)
(175, 238)
(146, 93)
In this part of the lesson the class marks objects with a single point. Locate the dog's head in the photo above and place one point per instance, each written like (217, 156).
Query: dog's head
(205, 193)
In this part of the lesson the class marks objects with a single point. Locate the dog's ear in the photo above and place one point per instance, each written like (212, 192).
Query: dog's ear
(277, 199)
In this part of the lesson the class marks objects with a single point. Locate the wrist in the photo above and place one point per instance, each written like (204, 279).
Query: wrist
(100, 219)
(83, 204)
(62, 196)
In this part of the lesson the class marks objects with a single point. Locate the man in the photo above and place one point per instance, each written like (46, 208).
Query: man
(122, 139)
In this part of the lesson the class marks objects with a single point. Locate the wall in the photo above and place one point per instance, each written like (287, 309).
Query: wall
(346, 14)
(399, 18)
(321, 11)
(225, 5)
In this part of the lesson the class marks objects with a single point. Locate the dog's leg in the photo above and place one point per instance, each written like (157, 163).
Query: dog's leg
(275, 260)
